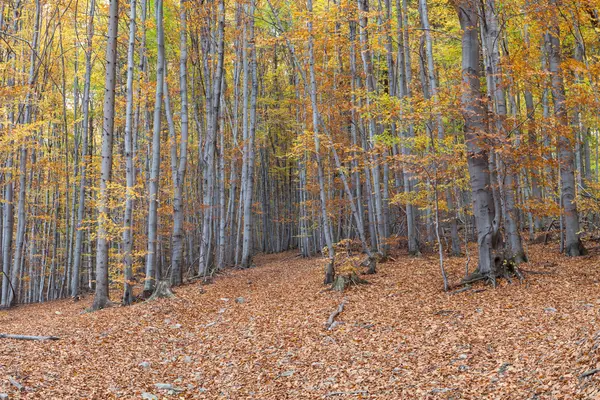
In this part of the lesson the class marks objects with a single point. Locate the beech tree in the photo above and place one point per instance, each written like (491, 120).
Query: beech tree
(343, 130)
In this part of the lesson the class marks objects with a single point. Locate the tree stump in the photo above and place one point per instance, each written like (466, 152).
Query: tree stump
(341, 282)
(162, 291)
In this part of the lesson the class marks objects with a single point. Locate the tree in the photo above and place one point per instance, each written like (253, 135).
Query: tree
(108, 123)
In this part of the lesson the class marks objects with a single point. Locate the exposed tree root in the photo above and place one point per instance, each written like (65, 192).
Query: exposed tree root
(504, 268)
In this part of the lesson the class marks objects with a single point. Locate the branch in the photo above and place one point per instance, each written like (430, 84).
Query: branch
(26, 337)
(330, 324)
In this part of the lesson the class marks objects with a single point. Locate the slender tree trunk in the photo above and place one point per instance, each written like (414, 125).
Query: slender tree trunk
(249, 183)
(329, 271)
(127, 237)
(573, 245)
(77, 257)
(151, 256)
(179, 176)
(101, 296)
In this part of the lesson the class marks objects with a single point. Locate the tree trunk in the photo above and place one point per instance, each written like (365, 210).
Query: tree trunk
(179, 176)
(101, 296)
(477, 154)
(573, 245)
(127, 237)
(151, 256)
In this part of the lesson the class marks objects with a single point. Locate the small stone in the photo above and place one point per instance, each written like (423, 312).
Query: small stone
(550, 309)
(149, 396)
(176, 326)
(144, 364)
(240, 300)
(187, 359)
(503, 368)
(224, 299)
(3, 396)
(288, 373)
(463, 368)
(163, 386)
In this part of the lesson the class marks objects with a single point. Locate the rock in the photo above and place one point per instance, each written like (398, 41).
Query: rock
(176, 326)
(240, 300)
(287, 373)
(3, 396)
(550, 310)
(224, 299)
(144, 364)
(503, 368)
(441, 390)
(463, 368)
(149, 396)
(187, 359)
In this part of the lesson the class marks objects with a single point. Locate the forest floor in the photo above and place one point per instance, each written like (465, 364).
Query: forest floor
(259, 334)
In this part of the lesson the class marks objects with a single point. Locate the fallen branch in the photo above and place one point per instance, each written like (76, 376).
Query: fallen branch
(330, 324)
(355, 393)
(15, 383)
(528, 271)
(27, 337)
(589, 373)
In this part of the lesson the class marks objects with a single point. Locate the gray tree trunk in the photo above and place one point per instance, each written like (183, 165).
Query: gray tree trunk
(151, 256)
(127, 237)
(179, 174)
(329, 271)
(573, 245)
(509, 186)
(477, 155)
(77, 256)
(108, 123)
(249, 183)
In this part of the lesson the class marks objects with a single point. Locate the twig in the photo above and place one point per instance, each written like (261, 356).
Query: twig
(329, 325)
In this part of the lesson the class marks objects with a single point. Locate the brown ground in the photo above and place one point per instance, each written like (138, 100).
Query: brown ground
(401, 337)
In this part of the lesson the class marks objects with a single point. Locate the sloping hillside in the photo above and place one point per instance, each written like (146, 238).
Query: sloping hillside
(259, 334)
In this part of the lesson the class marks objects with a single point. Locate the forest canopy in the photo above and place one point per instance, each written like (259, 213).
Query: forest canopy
(153, 142)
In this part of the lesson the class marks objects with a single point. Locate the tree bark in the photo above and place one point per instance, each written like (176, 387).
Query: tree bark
(108, 123)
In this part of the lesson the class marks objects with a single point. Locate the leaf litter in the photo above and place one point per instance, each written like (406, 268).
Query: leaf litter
(400, 337)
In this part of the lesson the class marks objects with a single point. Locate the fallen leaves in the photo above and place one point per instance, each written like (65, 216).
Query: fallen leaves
(402, 338)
